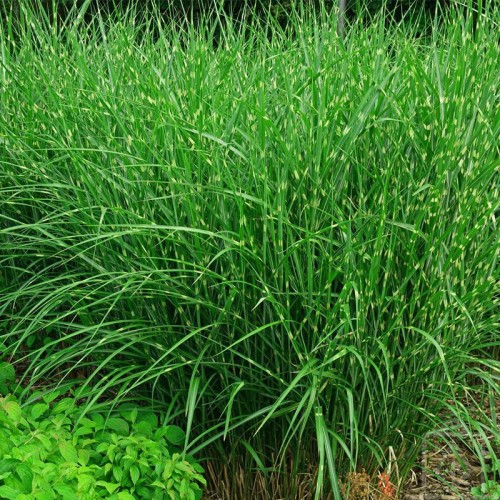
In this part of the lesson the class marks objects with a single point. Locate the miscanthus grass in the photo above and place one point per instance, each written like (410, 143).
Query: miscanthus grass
(286, 241)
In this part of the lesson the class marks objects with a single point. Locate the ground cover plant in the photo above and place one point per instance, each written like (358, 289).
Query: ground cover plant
(48, 450)
(285, 240)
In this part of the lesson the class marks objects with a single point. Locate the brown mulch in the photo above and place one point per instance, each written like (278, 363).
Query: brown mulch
(444, 473)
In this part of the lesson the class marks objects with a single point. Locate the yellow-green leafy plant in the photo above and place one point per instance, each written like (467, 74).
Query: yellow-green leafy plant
(48, 451)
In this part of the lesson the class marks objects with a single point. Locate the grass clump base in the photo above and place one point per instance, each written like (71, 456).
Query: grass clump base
(286, 239)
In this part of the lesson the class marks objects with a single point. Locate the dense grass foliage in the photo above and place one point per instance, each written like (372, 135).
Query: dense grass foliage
(287, 239)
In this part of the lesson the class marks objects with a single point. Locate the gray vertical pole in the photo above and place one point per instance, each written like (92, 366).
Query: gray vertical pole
(342, 16)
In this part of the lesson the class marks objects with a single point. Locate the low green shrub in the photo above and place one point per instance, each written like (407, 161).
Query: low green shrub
(48, 450)
(488, 490)
(7, 377)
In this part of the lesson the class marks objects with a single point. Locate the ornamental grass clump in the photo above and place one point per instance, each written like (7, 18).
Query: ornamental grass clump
(285, 240)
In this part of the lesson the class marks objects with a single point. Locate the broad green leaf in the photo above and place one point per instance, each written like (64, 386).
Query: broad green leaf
(184, 467)
(197, 467)
(13, 410)
(47, 494)
(200, 478)
(48, 397)
(25, 475)
(102, 447)
(68, 452)
(47, 443)
(83, 431)
(49, 471)
(128, 411)
(85, 480)
(63, 405)
(144, 428)
(111, 452)
(124, 495)
(118, 473)
(66, 491)
(134, 474)
(83, 456)
(110, 487)
(81, 391)
(132, 451)
(118, 425)
(7, 372)
(127, 463)
(144, 492)
(174, 434)
(160, 432)
(158, 484)
(148, 417)
(4, 476)
(184, 489)
(133, 415)
(98, 419)
(8, 464)
(38, 410)
(168, 470)
(9, 493)
(87, 442)
(86, 422)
